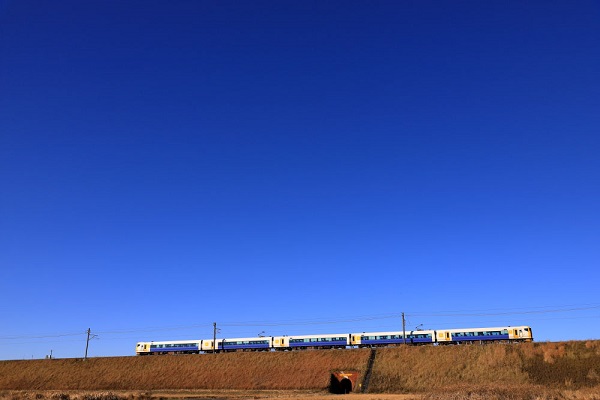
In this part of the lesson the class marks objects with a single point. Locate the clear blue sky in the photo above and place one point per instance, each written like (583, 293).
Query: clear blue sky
(295, 167)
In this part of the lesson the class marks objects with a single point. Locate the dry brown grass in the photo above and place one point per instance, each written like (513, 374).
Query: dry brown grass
(568, 365)
(511, 392)
(557, 366)
(244, 371)
(425, 368)
(569, 370)
(197, 394)
(495, 392)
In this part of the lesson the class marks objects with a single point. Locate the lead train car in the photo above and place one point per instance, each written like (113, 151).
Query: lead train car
(505, 333)
(341, 340)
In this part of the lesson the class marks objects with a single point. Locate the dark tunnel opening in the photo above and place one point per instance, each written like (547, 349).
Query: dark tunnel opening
(346, 385)
(340, 387)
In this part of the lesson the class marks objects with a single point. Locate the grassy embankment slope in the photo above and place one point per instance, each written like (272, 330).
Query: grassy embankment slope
(527, 370)
(243, 371)
(498, 368)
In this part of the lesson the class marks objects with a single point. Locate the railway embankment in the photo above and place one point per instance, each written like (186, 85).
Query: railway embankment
(493, 368)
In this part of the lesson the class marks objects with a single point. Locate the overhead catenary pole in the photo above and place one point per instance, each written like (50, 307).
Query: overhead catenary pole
(215, 337)
(87, 342)
(403, 328)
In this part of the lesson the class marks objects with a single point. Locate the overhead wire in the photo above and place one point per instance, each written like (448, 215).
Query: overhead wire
(542, 310)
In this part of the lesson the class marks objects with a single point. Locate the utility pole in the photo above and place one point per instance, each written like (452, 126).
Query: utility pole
(215, 337)
(403, 328)
(87, 342)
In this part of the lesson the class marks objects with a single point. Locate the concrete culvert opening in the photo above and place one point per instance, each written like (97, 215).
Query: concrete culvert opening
(342, 383)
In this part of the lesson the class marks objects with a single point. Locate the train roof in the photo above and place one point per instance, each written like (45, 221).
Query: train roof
(174, 341)
(247, 339)
(425, 331)
(324, 335)
(493, 328)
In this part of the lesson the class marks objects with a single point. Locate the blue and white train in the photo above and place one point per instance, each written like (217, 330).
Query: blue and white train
(339, 341)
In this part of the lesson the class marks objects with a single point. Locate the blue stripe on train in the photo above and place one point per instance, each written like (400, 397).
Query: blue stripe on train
(396, 341)
(165, 349)
(481, 337)
(246, 346)
(321, 344)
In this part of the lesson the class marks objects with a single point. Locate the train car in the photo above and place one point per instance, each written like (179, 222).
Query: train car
(371, 339)
(324, 341)
(256, 343)
(172, 347)
(504, 333)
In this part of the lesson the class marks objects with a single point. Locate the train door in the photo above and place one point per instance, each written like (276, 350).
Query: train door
(514, 333)
(443, 337)
(281, 342)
